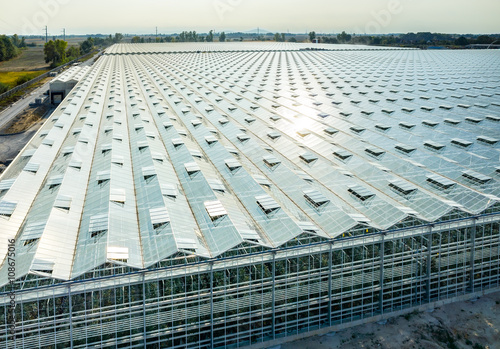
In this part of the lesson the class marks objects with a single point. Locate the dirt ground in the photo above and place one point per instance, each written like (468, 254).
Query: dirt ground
(471, 324)
(25, 120)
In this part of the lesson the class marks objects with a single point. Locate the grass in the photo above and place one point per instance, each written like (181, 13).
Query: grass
(31, 58)
(11, 78)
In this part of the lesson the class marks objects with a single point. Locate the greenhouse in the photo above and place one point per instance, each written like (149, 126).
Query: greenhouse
(234, 194)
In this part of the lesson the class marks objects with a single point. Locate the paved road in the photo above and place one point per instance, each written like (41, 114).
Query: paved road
(11, 112)
(16, 108)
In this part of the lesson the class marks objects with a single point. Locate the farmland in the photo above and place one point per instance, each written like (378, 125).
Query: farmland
(30, 59)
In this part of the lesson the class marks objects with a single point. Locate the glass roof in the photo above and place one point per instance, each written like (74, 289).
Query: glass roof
(197, 148)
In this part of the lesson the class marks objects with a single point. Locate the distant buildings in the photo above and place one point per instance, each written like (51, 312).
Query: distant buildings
(219, 195)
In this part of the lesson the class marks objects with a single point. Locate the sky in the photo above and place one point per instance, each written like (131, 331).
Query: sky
(29, 17)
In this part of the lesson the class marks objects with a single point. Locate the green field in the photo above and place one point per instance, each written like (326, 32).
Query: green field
(11, 78)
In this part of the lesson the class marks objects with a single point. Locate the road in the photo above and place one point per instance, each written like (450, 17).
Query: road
(16, 108)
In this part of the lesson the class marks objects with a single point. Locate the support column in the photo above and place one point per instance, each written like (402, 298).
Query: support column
(381, 279)
(472, 254)
(429, 267)
(144, 308)
(330, 257)
(273, 306)
(70, 317)
(212, 304)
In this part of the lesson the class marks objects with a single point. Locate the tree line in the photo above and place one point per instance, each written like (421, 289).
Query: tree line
(10, 46)
(185, 36)
(57, 52)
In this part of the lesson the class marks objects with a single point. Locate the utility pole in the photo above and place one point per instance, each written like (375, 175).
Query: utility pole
(64, 34)
(156, 33)
(46, 35)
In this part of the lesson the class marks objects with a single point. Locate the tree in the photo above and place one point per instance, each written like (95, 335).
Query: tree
(277, 37)
(292, 39)
(55, 52)
(222, 37)
(461, 41)
(312, 36)
(118, 37)
(87, 46)
(210, 36)
(73, 53)
(344, 37)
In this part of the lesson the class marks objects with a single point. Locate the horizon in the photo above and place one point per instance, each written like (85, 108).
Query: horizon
(371, 17)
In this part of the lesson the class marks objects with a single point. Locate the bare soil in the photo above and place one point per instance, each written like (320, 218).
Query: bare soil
(25, 120)
(462, 325)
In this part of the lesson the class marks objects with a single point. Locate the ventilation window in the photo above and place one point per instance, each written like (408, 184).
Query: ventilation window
(402, 187)
(376, 152)
(117, 195)
(429, 123)
(148, 172)
(461, 142)
(216, 185)
(408, 110)
(242, 137)
(28, 153)
(261, 180)
(215, 210)
(232, 164)
(476, 177)
(76, 164)
(177, 142)
(169, 190)
(31, 167)
(366, 112)
(211, 140)
(308, 157)
(7, 208)
(68, 150)
(323, 115)
(223, 121)
(446, 107)
(63, 202)
(342, 154)
(487, 140)
(303, 133)
(440, 182)
(195, 123)
(433, 145)
(167, 125)
(48, 142)
(331, 131)
(273, 135)
(249, 120)
(493, 118)
(382, 127)
(267, 204)
(315, 198)
(159, 217)
(142, 145)
(360, 192)
(473, 120)
(357, 129)
(405, 148)
(275, 118)
(54, 181)
(406, 125)
(98, 225)
(103, 176)
(6, 184)
(271, 161)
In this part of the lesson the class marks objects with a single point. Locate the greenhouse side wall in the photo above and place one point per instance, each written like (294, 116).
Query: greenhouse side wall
(241, 300)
